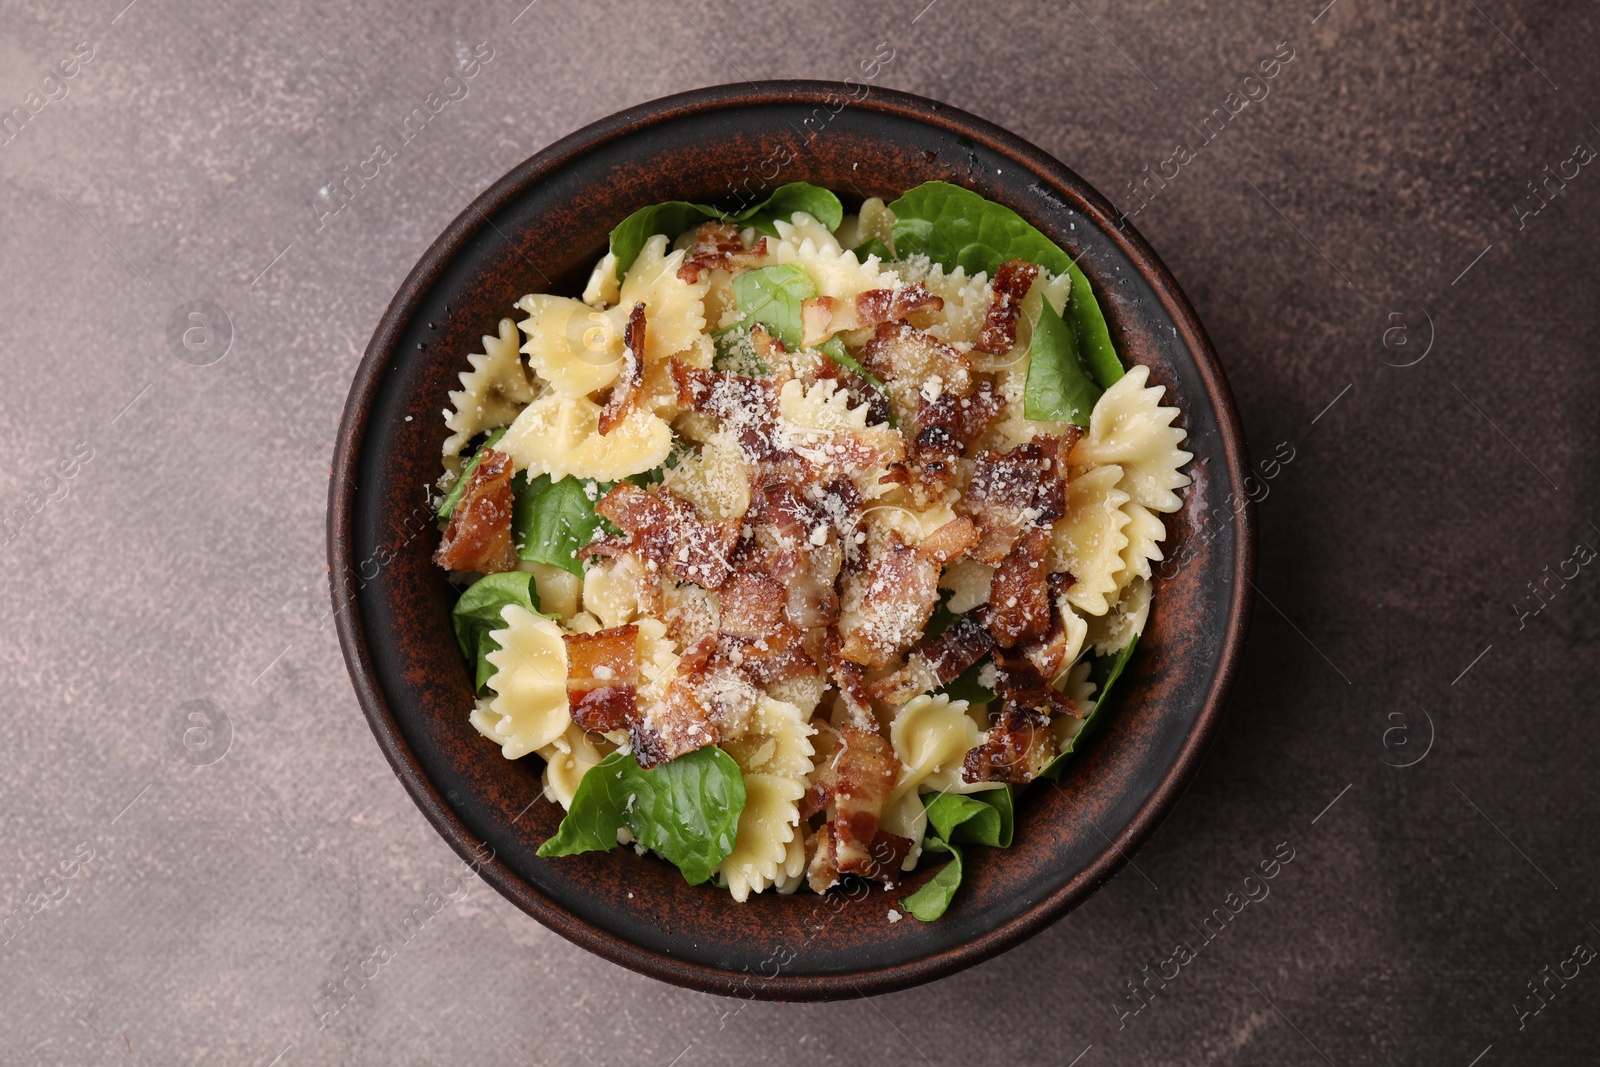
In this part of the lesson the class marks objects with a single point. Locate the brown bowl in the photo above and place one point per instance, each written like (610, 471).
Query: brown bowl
(542, 227)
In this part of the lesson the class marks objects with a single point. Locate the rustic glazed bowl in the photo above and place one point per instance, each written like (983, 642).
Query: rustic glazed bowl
(541, 228)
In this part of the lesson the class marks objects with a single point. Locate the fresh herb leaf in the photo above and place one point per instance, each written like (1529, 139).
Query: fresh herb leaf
(872, 247)
(958, 228)
(930, 902)
(982, 818)
(834, 347)
(785, 200)
(772, 296)
(1057, 386)
(1103, 672)
(671, 218)
(676, 216)
(687, 809)
(735, 353)
(459, 486)
(477, 612)
(552, 521)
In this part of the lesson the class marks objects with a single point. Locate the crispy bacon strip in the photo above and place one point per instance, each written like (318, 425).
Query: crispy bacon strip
(625, 393)
(680, 722)
(899, 351)
(665, 528)
(775, 658)
(752, 605)
(1019, 598)
(478, 536)
(717, 246)
(1010, 491)
(936, 661)
(1012, 281)
(1015, 749)
(603, 677)
(823, 316)
(887, 853)
(1020, 682)
(851, 681)
(949, 540)
(726, 396)
(861, 775)
(894, 601)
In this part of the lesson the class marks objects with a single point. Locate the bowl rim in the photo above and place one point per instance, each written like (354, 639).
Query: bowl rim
(383, 348)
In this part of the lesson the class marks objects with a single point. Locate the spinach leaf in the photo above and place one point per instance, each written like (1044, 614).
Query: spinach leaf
(958, 228)
(1057, 387)
(1104, 672)
(785, 200)
(687, 809)
(477, 612)
(552, 521)
(676, 216)
(930, 902)
(835, 349)
(670, 218)
(982, 818)
(459, 486)
(955, 819)
(873, 247)
(772, 296)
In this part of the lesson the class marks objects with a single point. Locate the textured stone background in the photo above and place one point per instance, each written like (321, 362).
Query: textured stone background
(232, 877)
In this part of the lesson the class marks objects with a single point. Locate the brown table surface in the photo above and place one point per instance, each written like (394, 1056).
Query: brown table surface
(1382, 184)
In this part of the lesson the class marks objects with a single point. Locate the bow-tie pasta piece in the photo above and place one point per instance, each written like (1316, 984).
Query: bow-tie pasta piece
(492, 393)
(560, 436)
(529, 708)
(1130, 428)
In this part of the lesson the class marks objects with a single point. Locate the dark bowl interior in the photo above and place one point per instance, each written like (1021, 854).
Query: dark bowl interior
(542, 227)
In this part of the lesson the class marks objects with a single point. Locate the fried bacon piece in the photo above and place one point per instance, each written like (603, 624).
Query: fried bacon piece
(1012, 281)
(1013, 490)
(717, 246)
(936, 661)
(823, 316)
(888, 852)
(625, 393)
(890, 606)
(945, 426)
(603, 678)
(726, 396)
(1019, 597)
(1019, 681)
(851, 681)
(752, 605)
(888, 609)
(899, 352)
(665, 528)
(857, 778)
(478, 536)
(775, 658)
(680, 721)
(1015, 749)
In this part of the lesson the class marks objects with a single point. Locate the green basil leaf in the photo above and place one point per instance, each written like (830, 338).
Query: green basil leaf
(734, 352)
(552, 521)
(982, 818)
(930, 902)
(477, 612)
(958, 228)
(670, 218)
(772, 296)
(459, 486)
(785, 200)
(1057, 388)
(873, 247)
(687, 809)
(835, 349)
(1103, 672)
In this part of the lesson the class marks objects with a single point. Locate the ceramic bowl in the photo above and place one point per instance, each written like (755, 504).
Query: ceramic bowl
(541, 228)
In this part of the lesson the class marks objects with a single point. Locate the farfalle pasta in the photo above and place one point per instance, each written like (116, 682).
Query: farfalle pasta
(796, 542)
